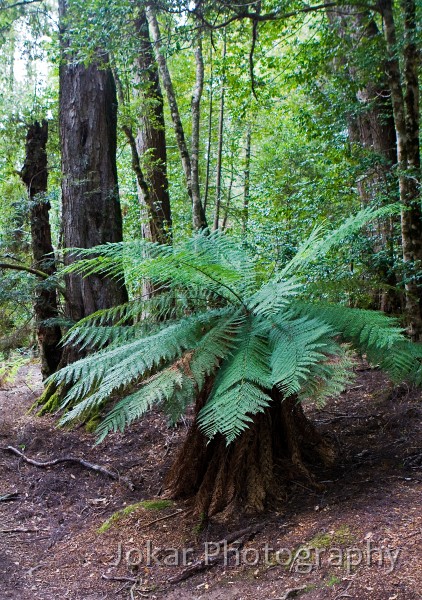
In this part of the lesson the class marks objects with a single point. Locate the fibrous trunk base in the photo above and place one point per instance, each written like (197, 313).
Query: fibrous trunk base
(253, 471)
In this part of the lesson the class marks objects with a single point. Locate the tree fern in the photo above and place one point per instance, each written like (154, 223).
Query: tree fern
(219, 317)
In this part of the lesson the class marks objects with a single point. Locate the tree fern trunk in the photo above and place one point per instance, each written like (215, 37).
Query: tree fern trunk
(255, 469)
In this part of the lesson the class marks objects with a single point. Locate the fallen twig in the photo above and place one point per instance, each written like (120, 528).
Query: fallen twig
(71, 459)
(126, 579)
(173, 514)
(344, 593)
(21, 530)
(9, 497)
(291, 593)
(201, 565)
(33, 569)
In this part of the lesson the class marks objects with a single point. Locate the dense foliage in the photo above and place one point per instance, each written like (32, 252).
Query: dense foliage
(219, 315)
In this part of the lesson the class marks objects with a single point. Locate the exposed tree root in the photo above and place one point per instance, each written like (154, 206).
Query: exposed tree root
(238, 537)
(70, 459)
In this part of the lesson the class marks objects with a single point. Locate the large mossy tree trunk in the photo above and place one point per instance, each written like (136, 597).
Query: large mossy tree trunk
(371, 126)
(91, 213)
(35, 176)
(252, 472)
(403, 77)
(151, 141)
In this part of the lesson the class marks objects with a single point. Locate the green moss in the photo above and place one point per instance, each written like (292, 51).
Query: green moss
(49, 400)
(146, 504)
(343, 535)
(50, 405)
(321, 540)
(156, 504)
(198, 528)
(92, 423)
(333, 580)
(340, 537)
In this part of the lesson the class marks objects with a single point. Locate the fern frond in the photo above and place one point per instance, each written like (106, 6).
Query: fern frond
(328, 379)
(177, 385)
(320, 242)
(112, 369)
(238, 391)
(273, 296)
(371, 333)
(155, 390)
(297, 345)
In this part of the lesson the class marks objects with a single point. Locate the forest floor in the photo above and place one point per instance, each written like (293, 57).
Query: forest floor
(360, 538)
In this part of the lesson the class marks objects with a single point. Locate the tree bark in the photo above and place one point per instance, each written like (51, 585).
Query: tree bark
(247, 181)
(91, 212)
(198, 214)
(151, 140)
(255, 469)
(199, 220)
(372, 127)
(35, 176)
(209, 136)
(218, 186)
(406, 120)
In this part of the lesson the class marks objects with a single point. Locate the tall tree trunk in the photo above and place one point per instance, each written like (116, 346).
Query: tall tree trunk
(199, 220)
(218, 186)
(198, 214)
(209, 135)
(406, 120)
(254, 470)
(35, 176)
(247, 181)
(91, 212)
(372, 127)
(151, 140)
(229, 196)
(90, 198)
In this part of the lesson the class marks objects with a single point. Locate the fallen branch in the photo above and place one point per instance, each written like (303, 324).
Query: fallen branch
(240, 537)
(71, 459)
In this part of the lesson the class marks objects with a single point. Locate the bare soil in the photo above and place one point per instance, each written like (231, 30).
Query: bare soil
(50, 546)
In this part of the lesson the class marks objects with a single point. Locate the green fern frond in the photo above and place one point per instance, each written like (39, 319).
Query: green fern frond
(297, 345)
(371, 333)
(116, 368)
(328, 379)
(238, 391)
(155, 390)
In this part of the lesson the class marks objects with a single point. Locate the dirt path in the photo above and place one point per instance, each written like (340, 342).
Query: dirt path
(360, 538)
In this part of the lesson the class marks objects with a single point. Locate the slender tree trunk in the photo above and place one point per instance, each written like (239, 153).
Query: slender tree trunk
(35, 175)
(151, 140)
(209, 136)
(218, 186)
(90, 198)
(406, 119)
(141, 183)
(199, 220)
(247, 181)
(255, 469)
(229, 196)
(198, 214)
